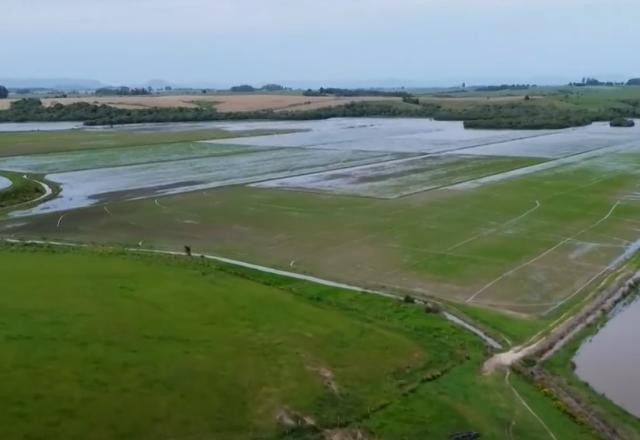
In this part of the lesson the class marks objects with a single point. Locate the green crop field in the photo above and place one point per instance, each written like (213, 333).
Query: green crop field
(103, 344)
(18, 143)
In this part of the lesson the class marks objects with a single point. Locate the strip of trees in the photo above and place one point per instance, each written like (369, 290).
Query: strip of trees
(514, 115)
(326, 91)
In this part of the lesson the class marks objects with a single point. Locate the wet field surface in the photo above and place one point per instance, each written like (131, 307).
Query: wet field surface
(374, 157)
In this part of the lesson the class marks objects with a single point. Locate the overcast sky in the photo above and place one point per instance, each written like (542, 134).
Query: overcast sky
(256, 41)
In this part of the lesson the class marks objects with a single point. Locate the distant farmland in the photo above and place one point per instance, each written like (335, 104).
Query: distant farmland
(224, 103)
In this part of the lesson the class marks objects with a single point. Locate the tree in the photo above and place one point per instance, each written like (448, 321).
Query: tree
(244, 88)
(4, 93)
(622, 122)
(273, 87)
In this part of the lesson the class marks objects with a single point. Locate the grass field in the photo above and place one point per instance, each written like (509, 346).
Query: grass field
(152, 347)
(22, 190)
(19, 143)
(526, 244)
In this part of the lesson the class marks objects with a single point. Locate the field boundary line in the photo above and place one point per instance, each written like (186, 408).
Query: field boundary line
(60, 220)
(495, 228)
(526, 405)
(544, 253)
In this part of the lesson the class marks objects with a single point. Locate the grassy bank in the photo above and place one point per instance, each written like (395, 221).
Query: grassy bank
(130, 346)
(22, 190)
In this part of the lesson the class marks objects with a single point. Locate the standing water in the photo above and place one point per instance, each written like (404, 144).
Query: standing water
(4, 183)
(610, 360)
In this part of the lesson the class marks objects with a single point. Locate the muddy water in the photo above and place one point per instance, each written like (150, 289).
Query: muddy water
(610, 360)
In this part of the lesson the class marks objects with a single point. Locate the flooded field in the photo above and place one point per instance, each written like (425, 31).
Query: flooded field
(402, 135)
(535, 219)
(610, 360)
(373, 157)
(89, 186)
(428, 136)
(401, 177)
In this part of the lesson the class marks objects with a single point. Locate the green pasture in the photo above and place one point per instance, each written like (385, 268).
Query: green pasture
(105, 345)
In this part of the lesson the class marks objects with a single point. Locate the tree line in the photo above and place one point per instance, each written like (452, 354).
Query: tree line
(326, 91)
(513, 115)
(122, 91)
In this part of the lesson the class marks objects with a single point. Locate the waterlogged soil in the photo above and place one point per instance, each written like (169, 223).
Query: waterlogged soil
(401, 177)
(428, 136)
(610, 360)
(85, 187)
(81, 160)
(341, 149)
(380, 134)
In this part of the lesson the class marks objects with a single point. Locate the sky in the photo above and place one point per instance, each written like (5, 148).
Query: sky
(320, 42)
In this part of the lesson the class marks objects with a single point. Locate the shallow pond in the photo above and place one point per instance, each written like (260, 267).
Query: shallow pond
(610, 360)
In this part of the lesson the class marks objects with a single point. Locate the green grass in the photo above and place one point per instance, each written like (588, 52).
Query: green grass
(105, 345)
(22, 190)
(12, 144)
(112, 157)
(510, 329)
(465, 401)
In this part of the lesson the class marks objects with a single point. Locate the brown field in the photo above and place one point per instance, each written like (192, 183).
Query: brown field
(224, 103)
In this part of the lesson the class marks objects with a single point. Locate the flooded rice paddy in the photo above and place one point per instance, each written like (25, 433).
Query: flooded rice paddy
(373, 157)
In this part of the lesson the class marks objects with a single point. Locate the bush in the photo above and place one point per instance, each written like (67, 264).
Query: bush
(243, 89)
(431, 307)
(411, 100)
(622, 122)
(408, 299)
